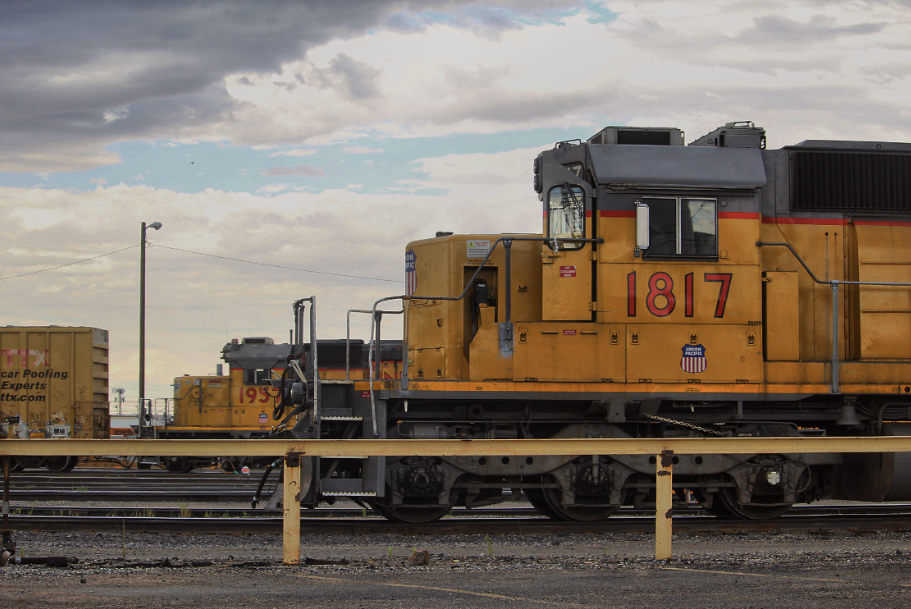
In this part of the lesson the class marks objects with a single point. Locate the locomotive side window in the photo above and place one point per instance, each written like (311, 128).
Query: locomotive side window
(682, 227)
(699, 227)
(662, 227)
(566, 215)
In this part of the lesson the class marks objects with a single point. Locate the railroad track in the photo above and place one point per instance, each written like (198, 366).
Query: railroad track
(689, 524)
(131, 491)
(519, 510)
(214, 486)
(133, 485)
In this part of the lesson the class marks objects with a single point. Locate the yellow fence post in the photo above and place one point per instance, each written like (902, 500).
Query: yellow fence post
(291, 524)
(664, 502)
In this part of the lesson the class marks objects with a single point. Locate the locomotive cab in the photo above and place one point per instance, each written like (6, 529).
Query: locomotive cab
(649, 268)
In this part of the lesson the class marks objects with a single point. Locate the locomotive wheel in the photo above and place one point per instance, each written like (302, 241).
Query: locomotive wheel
(728, 498)
(537, 500)
(554, 499)
(718, 508)
(410, 515)
(14, 465)
(60, 464)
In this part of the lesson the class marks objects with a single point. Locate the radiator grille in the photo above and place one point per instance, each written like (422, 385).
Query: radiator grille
(332, 354)
(844, 181)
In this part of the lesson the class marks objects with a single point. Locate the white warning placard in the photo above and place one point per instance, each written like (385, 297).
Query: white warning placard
(478, 248)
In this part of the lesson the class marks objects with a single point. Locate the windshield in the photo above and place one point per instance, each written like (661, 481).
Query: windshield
(566, 215)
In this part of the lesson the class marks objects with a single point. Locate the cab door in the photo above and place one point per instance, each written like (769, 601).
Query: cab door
(567, 262)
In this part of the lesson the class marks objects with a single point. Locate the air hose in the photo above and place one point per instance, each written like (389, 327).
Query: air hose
(279, 411)
(262, 481)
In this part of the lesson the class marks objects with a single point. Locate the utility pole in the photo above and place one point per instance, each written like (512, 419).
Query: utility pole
(142, 325)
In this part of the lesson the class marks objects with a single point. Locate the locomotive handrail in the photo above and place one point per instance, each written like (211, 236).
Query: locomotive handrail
(314, 355)
(376, 318)
(833, 284)
(373, 317)
(348, 340)
(830, 281)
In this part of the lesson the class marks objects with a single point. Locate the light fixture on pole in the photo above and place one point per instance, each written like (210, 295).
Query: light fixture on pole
(142, 324)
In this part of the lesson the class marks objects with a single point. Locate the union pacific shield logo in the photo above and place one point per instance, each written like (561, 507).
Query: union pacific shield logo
(411, 275)
(693, 360)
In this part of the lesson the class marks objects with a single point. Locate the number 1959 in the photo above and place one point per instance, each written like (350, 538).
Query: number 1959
(262, 396)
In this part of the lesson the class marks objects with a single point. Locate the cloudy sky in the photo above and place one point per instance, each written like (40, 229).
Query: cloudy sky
(292, 148)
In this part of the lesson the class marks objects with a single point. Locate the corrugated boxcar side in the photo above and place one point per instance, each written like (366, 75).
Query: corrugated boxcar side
(56, 380)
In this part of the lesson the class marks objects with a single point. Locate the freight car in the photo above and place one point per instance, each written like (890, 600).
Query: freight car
(718, 288)
(243, 403)
(53, 384)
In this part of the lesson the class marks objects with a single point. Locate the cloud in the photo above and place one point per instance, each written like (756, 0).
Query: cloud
(79, 77)
(294, 152)
(775, 29)
(298, 170)
(355, 80)
(362, 150)
(304, 73)
(270, 189)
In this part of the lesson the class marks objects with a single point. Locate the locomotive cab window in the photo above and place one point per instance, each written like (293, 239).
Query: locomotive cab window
(257, 377)
(566, 216)
(682, 227)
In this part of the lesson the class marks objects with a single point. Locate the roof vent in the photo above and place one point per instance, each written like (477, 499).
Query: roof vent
(257, 340)
(639, 136)
(741, 134)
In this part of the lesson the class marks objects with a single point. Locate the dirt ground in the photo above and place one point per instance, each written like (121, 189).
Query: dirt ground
(611, 570)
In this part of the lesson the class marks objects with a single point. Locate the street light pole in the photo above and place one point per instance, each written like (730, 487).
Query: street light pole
(142, 325)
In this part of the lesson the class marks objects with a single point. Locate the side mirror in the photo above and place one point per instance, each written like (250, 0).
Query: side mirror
(641, 227)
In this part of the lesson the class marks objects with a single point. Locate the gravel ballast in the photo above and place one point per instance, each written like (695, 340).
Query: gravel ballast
(609, 570)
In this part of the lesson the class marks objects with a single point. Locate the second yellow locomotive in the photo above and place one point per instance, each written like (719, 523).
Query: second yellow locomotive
(242, 403)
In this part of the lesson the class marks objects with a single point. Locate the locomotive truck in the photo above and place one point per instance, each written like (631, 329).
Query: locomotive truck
(716, 288)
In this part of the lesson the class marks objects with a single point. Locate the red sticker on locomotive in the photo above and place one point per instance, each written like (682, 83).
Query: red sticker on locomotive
(567, 271)
(569, 332)
(365, 394)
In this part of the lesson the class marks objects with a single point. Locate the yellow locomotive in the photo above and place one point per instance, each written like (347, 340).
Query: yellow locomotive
(242, 404)
(715, 288)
